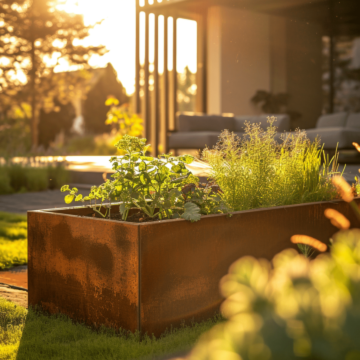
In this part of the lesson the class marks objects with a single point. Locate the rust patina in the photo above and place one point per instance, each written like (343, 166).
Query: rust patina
(150, 276)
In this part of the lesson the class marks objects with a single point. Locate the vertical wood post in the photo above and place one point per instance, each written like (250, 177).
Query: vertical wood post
(156, 127)
(174, 95)
(137, 60)
(146, 81)
(332, 57)
(166, 86)
(201, 64)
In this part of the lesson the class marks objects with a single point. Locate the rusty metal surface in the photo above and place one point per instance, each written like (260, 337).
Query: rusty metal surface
(84, 267)
(182, 263)
(151, 276)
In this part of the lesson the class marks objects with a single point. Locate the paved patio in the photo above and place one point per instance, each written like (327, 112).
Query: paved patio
(21, 203)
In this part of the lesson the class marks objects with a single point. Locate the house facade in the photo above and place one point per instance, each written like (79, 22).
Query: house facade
(242, 46)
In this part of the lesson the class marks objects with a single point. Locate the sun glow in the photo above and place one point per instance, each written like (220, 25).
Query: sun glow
(117, 33)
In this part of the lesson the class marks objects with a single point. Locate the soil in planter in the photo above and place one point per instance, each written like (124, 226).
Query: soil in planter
(138, 217)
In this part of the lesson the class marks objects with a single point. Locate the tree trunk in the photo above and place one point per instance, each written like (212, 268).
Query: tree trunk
(34, 112)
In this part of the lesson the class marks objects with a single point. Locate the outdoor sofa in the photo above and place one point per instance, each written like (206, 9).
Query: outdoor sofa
(195, 131)
(341, 130)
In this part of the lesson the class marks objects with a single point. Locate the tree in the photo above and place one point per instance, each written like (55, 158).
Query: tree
(94, 108)
(34, 37)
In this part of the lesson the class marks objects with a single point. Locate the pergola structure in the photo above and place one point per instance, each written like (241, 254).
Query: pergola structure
(155, 95)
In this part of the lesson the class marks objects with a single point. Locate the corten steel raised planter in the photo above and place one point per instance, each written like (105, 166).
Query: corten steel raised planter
(151, 276)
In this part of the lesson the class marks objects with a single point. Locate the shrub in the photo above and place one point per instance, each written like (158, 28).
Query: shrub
(17, 174)
(22, 177)
(36, 179)
(5, 187)
(125, 122)
(122, 122)
(57, 176)
(256, 171)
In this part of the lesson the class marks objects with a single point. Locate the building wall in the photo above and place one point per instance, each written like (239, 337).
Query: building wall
(304, 71)
(249, 51)
(238, 59)
(214, 64)
(278, 69)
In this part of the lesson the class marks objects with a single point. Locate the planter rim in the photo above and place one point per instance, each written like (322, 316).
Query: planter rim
(55, 211)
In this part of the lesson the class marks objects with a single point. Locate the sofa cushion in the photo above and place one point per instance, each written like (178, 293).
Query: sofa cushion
(353, 121)
(282, 122)
(193, 140)
(332, 120)
(206, 123)
(331, 136)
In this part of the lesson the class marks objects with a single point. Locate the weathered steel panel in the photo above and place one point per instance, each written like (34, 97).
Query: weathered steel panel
(85, 268)
(151, 276)
(182, 263)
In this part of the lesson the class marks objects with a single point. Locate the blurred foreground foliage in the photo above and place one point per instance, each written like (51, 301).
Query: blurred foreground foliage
(24, 177)
(291, 308)
(13, 240)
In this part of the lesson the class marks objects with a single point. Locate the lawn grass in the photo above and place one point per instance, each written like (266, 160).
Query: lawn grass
(31, 335)
(13, 240)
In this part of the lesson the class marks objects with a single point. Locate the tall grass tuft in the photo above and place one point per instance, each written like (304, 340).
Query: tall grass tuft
(258, 171)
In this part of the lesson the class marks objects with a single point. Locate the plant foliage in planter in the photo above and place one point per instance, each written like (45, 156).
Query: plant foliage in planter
(259, 170)
(161, 188)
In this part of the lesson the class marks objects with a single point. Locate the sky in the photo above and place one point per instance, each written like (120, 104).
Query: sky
(117, 33)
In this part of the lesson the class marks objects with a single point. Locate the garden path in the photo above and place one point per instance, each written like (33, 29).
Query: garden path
(16, 276)
(21, 203)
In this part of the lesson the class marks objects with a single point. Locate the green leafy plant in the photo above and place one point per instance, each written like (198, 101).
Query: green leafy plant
(161, 188)
(257, 171)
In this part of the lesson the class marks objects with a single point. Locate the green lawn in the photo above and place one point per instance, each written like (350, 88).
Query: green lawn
(13, 240)
(31, 335)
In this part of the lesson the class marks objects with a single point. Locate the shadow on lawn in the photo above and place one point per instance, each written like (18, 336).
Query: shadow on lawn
(47, 337)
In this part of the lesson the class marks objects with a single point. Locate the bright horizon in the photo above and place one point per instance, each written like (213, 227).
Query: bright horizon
(117, 33)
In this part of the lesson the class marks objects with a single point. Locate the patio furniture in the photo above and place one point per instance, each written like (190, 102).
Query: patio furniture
(341, 129)
(196, 131)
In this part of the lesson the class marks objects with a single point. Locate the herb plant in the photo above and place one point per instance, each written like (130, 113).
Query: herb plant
(257, 171)
(161, 188)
